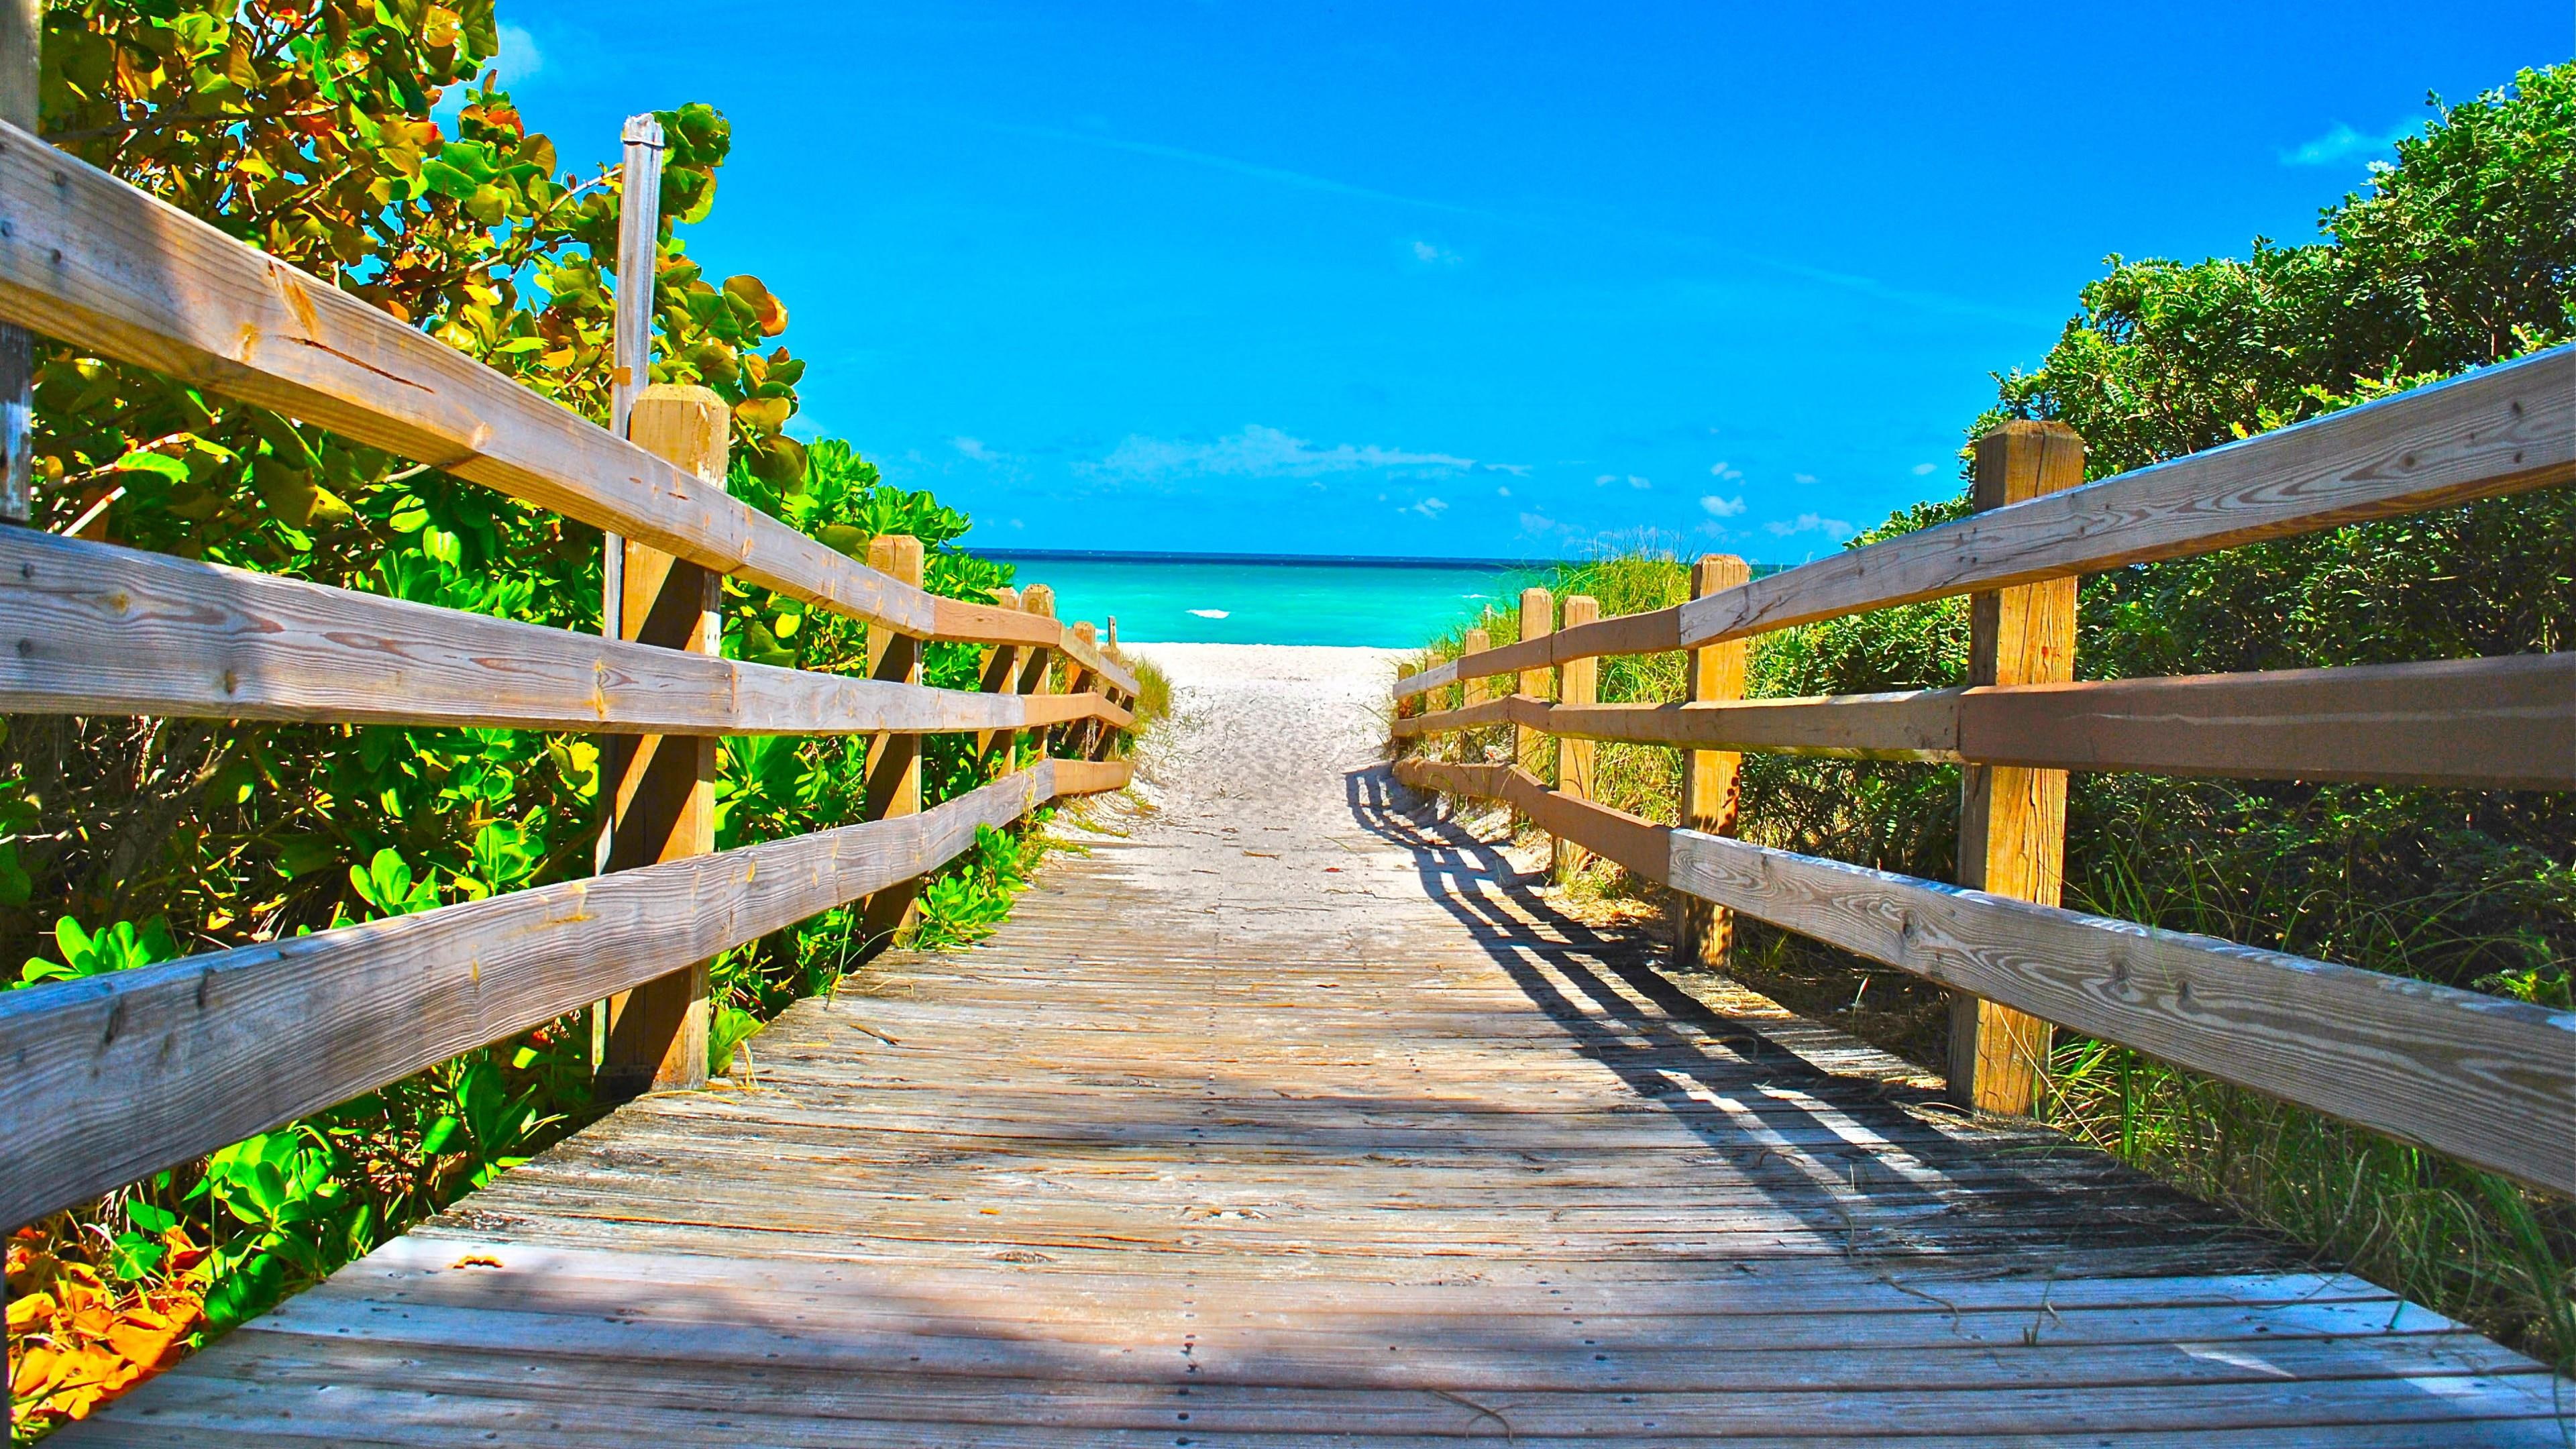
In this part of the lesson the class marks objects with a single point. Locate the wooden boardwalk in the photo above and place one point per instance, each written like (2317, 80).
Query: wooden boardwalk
(1294, 1118)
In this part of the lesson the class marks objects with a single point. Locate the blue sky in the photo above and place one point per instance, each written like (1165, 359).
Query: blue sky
(1474, 280)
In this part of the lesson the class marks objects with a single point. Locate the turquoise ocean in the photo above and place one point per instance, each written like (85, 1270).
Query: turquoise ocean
(1269, 599)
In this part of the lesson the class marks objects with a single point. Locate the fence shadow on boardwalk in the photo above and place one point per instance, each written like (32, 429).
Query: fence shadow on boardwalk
(1906, 1184)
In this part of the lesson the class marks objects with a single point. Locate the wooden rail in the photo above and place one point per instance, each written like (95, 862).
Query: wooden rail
(110, 1077)
(2489, 724)
(2490, 1081)
(2503, 429)
(90, 259)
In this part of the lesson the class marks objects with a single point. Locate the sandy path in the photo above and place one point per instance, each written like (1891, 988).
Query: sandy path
(1249, 787)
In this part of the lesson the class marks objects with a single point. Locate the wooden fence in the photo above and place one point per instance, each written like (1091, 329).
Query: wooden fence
(2489, 1080)
(108, 1078)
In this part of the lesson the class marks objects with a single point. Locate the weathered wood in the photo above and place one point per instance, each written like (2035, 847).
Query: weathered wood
(1037, 664)
(1471, 688)
(90, 259)
(1633, 843)
(894, 761)
(972, 623)
(22, 32)
(1530, 748)
(2499, 430)
(93, 628)
(661, 789)
(2489, 1080)
(2489, 724)
(1703, 932)
(1578, 681)
(2012, 818)
(111, 1077)
(1001, 675)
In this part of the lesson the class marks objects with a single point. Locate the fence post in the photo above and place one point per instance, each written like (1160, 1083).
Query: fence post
(1471, 688)
(1577, 682)
(1001, 676)
(2012, 821)
(1086, 734)
(894, 761)
(1037, 663)
(1530, 746)
(1704, 930)
(658, 791)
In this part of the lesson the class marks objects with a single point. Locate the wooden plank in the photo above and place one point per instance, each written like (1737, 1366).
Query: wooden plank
(2488, 724)
(1634, 843)
(1530, 747)
(1578, 681)
(111, 1077)
(1000, 678)
(1703, 933)
(661, 789)
(972, 623)
(96, 262)
(1472, 689)
(2499, 430)
(2488, 1080)
(22, 31)
(2012, 818)
(93, 628)
(894, 761)
(1037, 664)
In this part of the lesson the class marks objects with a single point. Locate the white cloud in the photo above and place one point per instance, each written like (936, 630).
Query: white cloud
(1605, 478)
(1636, 482)
(974, 448)
(1833, 528)
(1537, 523)
(1429, 508)
(2343, 143)
(1722, 507)
(1926, 470)
(1502, 493)
(1802, 477)
(1724, 474)
(1258, 452)
(1517, 470)
(1431, 254)
(520, 61)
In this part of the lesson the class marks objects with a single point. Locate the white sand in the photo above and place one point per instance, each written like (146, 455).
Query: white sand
(1252, 788)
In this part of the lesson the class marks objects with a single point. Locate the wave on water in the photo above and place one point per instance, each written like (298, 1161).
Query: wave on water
(1211, 613)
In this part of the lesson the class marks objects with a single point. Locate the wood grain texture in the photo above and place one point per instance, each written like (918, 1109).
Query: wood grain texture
(662, 788)
(1635, 844)
(111, 1077)
(2489, 1080)
(1578, 684)
(2485, 724)
(1713, 677)
(2012, 818)
(2499, 430)
(93, 628)
(893, 761)
(94, 261)
(961, 621)
(2489, 724)
(1441, 1167)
